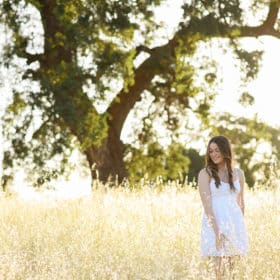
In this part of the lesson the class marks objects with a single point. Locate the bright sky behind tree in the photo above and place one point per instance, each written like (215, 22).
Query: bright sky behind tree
(265, 88)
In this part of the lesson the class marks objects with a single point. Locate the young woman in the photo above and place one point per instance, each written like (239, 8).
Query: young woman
(221, 188)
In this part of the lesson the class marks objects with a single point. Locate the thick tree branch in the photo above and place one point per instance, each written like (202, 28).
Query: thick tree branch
(257, 31)
(144, 74)
(267, 28)
(272, 15)
(71, 103)
(142, 48)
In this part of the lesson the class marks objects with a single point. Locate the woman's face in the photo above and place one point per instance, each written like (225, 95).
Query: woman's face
(215, 153)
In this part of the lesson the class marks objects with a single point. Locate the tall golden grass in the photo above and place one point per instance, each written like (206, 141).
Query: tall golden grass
(122, 233)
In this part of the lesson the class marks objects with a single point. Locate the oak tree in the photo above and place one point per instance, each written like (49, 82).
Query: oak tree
(71, 56)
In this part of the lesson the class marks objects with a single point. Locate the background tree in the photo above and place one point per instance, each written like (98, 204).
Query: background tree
(73, 55)
(197, 162)
(154, 160)
(256, 145)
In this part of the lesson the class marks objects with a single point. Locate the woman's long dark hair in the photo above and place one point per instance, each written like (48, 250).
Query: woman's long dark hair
(212, 169)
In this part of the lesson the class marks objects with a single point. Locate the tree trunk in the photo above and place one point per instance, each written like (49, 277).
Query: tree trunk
(106, 161)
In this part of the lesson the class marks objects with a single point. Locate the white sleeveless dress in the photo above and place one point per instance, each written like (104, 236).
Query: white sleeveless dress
(230, 221)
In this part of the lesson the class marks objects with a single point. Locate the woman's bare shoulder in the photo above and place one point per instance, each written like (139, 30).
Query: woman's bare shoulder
(204, 173)
(239, 173)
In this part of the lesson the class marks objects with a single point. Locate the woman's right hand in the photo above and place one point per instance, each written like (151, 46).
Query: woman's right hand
(220, 240)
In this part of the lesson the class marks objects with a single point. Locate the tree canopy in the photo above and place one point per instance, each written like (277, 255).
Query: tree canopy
(81, 67)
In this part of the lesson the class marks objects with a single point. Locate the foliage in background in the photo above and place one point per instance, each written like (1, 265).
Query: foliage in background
(66, 54)
(197, 162)
(154, 160)
(78, 68)
(256, 145)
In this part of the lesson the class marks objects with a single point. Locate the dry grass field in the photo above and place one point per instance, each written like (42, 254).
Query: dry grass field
(121, 233)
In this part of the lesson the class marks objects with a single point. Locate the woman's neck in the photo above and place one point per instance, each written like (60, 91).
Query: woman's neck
(222, 167)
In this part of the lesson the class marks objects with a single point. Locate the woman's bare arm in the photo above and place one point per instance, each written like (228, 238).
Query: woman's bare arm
(205, 195)
(240, 197)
